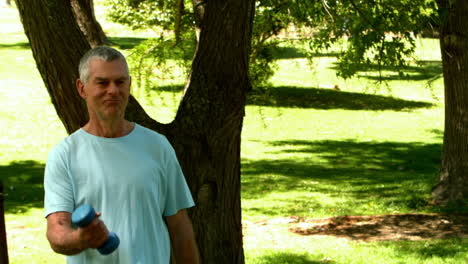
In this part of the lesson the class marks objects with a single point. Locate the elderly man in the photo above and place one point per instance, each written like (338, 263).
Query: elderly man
(129, 173)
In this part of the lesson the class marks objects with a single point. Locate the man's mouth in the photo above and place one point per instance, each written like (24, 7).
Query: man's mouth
(112, 101)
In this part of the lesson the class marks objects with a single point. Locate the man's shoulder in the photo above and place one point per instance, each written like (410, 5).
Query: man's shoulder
(153, 140)
(68, 142)
(147, 132)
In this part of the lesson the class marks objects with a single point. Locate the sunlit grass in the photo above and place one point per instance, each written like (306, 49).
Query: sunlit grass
(307, 151)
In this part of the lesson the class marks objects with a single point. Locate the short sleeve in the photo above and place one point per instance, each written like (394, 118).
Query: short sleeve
(57, 183)
(178, 194)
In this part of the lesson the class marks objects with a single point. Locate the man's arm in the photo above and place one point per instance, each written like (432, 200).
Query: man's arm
(183, 238)
(66, 240)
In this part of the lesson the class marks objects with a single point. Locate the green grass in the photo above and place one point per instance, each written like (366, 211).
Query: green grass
(307, 151)
(333, 251)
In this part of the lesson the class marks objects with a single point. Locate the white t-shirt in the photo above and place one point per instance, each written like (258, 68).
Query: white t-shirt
(134, 180)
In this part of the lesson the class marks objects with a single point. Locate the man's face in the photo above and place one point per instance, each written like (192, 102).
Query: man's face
(107, 90)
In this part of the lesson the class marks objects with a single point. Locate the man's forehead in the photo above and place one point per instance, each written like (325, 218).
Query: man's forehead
(95, 61)
(106, 78)
(99, 68)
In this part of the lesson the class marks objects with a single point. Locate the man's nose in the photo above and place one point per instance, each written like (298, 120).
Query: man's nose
(113, 88)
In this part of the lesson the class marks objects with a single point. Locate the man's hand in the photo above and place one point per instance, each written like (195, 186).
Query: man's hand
(93, 235)
(69, 241)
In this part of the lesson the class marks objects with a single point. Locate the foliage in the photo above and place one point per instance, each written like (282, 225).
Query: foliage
(298, 157)
(271, 19)
(381, 31)
(139, 14)
(272, 16)
(377, 31)
(291, 167)
(161, 58)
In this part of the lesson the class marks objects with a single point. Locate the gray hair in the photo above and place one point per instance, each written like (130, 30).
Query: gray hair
(101, 52)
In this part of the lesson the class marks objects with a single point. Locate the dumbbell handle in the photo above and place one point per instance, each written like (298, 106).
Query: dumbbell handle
(82, 216)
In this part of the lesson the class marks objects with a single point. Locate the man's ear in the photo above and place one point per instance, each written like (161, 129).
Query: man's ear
(81, 88)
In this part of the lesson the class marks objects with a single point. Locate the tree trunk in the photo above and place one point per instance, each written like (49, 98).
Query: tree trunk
(84, 14)
(3, 238)
(208, 124)
(199, 12)
(453, 177)
(57, 45)
(206, 132)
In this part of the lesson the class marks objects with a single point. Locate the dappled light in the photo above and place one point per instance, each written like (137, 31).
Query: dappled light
(23, 184)
(317, 98)
(420, 71)
(333, 170)
(334, 176)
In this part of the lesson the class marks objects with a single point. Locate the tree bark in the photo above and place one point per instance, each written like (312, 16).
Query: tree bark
(3, 238)
(208, 124)
(206, 132)
(57, 44)
(199, 12)
(453, 178)
(84, 15)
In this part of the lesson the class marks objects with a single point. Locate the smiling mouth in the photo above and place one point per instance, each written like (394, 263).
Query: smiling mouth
(111, 101)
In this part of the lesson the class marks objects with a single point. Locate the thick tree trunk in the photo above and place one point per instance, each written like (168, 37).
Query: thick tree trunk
(453, 178)
(199, 12)
(207, 128)
(206, 132)
(3, 238)
(84, 14)
(57, 45)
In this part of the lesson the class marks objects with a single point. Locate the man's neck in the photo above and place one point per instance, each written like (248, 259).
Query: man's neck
(109, 129)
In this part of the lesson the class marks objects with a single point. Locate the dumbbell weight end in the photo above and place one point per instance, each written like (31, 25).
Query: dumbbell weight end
(82, 216)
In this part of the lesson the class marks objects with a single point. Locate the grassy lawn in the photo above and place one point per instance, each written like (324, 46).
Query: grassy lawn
(307, 151)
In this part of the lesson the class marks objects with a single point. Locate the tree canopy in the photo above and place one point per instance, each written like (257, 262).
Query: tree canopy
(381, 32)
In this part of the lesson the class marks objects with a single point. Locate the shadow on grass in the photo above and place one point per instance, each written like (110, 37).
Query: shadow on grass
(120, 42)
(281, 53)
(289, 96)
(424, 70)
(438, 133)
(169, 88)
(126, 42)
(289, 258)
(23, 185)
(18, 45)
(318, 99)
(168, 51)
(393, 173)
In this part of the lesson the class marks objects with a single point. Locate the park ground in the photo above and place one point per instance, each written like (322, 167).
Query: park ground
(333, 171)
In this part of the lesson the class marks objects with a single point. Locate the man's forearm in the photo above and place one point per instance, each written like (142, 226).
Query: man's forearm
(185, 247)
(183, 238)
(64, 241)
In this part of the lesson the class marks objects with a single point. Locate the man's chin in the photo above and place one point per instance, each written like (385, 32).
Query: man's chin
(112, 115)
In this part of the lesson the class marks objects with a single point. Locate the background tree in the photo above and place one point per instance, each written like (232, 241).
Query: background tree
(206, 132)
(84, 14)
(377, 31)
(381, 32)
(3, 238)
(453, 177)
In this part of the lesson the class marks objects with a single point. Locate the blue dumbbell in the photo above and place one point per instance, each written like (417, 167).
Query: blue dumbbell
(82, 216)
